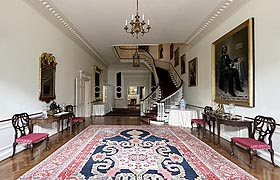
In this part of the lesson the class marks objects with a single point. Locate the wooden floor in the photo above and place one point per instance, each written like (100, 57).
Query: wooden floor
(12, 168)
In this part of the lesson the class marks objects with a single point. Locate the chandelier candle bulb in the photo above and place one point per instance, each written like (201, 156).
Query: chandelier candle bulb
(132, 17)
(126, 22)
(148, 22)
(143, 17)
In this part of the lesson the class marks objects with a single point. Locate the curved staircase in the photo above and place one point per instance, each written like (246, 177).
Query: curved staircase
(167, 93)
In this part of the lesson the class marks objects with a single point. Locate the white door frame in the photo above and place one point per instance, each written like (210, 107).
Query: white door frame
(80, 94)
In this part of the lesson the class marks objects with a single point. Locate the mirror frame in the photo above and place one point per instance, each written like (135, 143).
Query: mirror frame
(47, 60)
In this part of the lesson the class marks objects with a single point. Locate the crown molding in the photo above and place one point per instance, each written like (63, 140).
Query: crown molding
(224, 10)
(48, 10)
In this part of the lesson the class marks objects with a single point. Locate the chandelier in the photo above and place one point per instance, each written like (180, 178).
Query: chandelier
(137, 24)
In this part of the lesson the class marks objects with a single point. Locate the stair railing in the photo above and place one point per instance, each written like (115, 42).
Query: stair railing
(153, 99)
(164, 105)
(149, 102)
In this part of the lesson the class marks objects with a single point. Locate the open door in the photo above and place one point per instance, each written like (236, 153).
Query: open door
(83, 95)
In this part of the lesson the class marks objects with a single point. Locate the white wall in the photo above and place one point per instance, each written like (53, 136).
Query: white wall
(267, 62)
(24, 36)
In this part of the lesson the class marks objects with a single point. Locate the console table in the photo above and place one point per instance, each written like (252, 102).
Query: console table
(55, 118)
(233, 123)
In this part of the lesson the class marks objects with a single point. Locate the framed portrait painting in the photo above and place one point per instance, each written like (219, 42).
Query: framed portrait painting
(183, 64)
(160, 51)
(192, 67)
(171, 49)
(233, 66)
(176, 57)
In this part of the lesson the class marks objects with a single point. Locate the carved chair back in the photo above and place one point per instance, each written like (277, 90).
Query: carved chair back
(21, 124)
(263, 128)
(207, 110)
(70, 108)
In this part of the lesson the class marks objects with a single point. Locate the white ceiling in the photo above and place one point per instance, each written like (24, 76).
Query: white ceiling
(98, 24)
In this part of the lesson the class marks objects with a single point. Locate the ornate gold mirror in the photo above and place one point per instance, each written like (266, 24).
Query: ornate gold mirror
(47, 77)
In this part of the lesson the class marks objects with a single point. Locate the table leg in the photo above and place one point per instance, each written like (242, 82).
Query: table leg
(70, 125)
(214, 127)
(219, 131)
(58, 127)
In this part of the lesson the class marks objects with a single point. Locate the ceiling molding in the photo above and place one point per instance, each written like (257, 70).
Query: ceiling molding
(48, 10)
(223, 11)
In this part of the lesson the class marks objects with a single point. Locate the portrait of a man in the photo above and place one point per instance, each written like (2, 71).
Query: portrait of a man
(233, 66)
(193, 72)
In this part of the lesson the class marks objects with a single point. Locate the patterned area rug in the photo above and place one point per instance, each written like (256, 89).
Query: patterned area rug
(134, 153)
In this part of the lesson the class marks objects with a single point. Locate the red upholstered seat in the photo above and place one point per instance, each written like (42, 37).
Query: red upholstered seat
(263, 130)
(78, 119)
(250, 143)
(199, 121)
(24, 133)
(32, 138)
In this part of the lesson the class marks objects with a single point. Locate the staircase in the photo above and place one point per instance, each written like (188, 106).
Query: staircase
(167, 94)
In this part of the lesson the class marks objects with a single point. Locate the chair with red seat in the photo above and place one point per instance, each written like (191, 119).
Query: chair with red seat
(24, 133)
(200, 123)
(75, 120)
(263, 130)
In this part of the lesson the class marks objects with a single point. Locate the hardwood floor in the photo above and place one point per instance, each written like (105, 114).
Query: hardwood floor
(12, 168)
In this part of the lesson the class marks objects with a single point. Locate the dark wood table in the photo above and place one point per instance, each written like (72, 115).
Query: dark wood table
(233, 123)
(55, 118)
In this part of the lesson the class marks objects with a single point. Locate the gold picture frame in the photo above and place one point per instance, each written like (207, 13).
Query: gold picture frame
(233, 66)
(171, 49)
(183, 64)
(192, 74)
(176, 57)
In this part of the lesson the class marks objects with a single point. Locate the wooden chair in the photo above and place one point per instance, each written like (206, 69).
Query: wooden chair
(75, 120)
(263, 130)
(200, 123)
(24, 133)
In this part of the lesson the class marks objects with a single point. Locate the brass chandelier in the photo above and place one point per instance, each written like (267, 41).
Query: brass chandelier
(137, 24)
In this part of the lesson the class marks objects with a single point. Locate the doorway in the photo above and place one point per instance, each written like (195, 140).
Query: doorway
(87, 99)
(83, 95)
(134, 95)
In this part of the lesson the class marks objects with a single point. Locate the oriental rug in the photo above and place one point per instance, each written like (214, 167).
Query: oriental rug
(135, 153)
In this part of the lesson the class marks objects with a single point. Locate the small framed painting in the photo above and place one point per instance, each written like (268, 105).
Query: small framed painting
(160, 51)
(176, 57)
(171, 51)
(192, 72)
(183, 64)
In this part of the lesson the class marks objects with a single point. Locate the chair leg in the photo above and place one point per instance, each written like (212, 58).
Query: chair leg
(31, 149)
(231, 146)
(192, 125)
(251, 154)
(272, 156)
(47, 143)
(204, 130)
(14, 148)
(198, 129)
